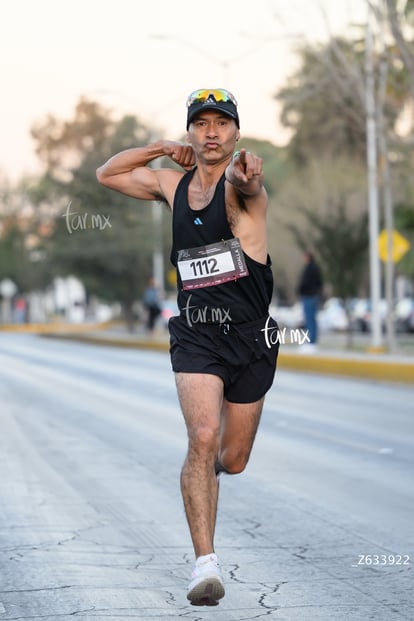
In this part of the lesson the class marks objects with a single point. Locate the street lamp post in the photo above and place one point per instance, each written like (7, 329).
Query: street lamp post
(8, 289)
(376, 335)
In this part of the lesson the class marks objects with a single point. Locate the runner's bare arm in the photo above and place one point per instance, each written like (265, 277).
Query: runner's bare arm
(247, 201)
(128, 171)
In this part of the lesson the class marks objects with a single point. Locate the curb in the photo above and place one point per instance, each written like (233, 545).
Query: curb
(380, 370)
(110, 342)
(52, 328)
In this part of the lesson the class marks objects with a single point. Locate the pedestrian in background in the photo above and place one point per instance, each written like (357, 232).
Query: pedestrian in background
(310, 291)
(152, 304)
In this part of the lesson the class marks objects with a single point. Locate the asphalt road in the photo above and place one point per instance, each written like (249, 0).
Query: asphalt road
(319, 527)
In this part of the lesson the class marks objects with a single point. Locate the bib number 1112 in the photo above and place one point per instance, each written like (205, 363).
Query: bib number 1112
(204, 267)
(214, 264)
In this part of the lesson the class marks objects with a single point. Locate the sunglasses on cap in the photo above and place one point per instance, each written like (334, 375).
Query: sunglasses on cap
(202, 95)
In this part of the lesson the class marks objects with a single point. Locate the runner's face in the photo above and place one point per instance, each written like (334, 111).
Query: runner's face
(213, 135)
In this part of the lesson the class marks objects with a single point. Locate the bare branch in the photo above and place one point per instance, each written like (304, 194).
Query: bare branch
(406, 54)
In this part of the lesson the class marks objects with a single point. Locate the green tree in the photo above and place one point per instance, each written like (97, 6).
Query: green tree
(341, 245)
(323, 102)
(14, 260)
(103, 237)
(321, 204)
(22, 239)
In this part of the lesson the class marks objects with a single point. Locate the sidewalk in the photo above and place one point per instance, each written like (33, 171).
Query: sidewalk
(331, 358)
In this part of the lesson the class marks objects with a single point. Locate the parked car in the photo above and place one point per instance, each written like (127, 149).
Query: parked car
(288, 316)
(361, 314)
(332, 316)
(404, 315)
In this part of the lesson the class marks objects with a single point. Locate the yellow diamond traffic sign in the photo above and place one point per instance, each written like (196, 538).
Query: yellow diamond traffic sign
(399, 246)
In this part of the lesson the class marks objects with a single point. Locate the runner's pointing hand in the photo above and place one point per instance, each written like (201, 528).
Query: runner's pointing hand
(244, 167)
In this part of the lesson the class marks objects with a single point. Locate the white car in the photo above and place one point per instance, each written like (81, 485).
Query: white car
(288, 316)
(332, 316)
(361, 314)
(404, 315)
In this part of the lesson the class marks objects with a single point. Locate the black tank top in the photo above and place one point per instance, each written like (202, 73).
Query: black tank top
(245, 299)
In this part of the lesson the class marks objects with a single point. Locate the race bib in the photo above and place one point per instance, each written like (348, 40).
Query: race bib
(210, 265)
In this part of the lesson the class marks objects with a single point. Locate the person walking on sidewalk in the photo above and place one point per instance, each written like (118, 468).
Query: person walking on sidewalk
(152, 304)
(310, 289)
(223, 344)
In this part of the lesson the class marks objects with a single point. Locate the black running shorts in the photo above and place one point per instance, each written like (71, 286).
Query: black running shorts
(243, 355)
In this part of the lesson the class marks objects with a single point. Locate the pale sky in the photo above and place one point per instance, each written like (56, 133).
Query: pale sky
(54, 51)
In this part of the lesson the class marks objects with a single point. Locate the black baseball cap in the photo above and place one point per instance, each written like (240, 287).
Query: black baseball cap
(218, 99)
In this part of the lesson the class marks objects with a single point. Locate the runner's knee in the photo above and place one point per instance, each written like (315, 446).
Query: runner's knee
(203, 438)
(233, 462)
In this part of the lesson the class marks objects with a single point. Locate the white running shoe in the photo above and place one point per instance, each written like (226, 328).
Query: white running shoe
(207, 585)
